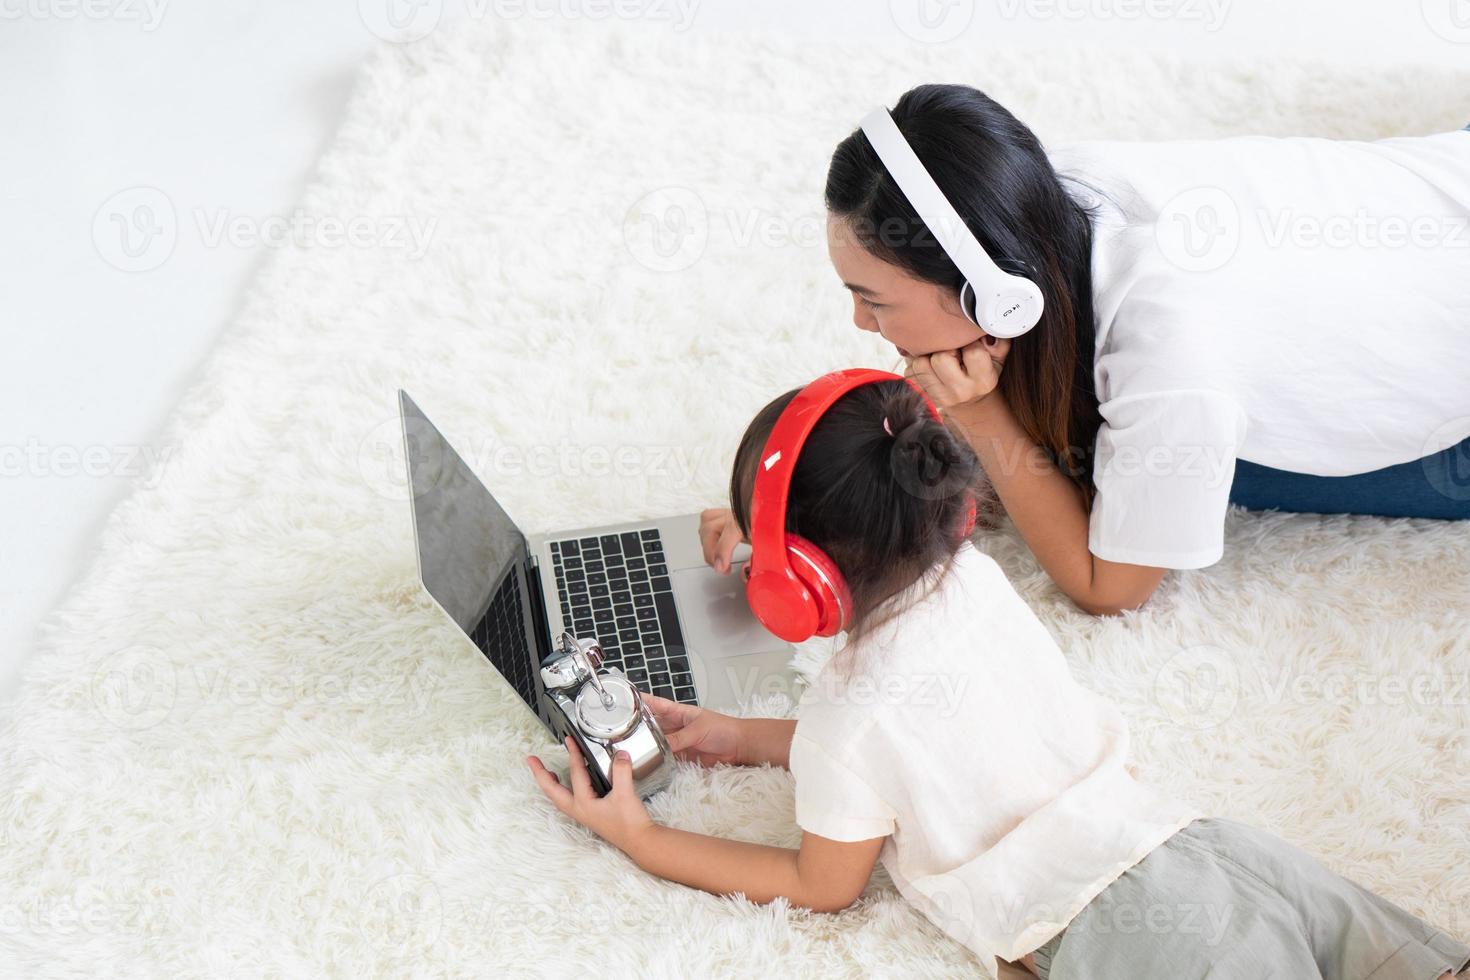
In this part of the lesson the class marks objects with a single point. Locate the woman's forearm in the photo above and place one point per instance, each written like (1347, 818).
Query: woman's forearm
(1046, 507)
(1048, 510)
(767, 740)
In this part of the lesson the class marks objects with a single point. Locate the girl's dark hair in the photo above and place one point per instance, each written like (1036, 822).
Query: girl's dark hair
(996, 174)
(885, 508)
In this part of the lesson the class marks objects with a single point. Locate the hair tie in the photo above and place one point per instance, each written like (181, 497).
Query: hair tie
(886, 428)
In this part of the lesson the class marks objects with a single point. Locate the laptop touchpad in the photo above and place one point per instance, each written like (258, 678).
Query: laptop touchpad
(716, 619)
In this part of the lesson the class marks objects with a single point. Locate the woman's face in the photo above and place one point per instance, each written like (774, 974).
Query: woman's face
(914, 316)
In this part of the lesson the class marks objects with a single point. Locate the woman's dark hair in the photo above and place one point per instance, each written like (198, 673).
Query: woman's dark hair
(885, 508)
(996, 174)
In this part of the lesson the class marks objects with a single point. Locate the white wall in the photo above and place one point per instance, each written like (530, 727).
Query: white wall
(225, 106)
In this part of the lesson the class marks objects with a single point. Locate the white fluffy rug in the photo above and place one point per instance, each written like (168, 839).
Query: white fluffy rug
(249, 745)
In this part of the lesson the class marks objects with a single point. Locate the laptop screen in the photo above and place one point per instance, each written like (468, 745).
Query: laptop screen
(472, 556)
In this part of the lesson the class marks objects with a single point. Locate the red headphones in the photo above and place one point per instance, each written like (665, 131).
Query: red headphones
(793, 588)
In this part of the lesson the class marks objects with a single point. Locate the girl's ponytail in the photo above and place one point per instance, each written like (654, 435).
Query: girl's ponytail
(928, 461)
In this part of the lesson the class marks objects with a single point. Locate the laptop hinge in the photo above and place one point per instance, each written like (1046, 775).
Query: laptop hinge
(538, 608)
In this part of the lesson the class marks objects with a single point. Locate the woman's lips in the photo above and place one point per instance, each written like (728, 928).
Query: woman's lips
(903, 353)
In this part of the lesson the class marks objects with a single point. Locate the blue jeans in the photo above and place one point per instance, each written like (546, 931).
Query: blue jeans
(1436, 486)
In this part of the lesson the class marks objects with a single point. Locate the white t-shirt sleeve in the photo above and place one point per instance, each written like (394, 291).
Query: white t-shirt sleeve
(1163, 467)
(832, 801)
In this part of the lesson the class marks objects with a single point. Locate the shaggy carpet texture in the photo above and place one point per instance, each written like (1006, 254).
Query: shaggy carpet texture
(249, 745)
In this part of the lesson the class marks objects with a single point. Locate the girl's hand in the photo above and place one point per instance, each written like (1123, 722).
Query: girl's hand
(618, 818)
(718, 535)
(970, 374)
(698, 734)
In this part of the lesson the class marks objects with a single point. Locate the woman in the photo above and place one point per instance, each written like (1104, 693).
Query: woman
(1272, 322)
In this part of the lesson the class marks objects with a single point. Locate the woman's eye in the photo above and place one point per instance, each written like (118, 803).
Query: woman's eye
(870, 304)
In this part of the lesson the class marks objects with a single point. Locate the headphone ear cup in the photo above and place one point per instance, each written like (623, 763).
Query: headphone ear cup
(1016, 267)
(826, 584)
(783, 606)
(967, 303)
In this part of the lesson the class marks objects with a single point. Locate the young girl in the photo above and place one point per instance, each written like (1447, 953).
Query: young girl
(947, 738)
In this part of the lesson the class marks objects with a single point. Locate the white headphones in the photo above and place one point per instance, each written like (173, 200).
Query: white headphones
(999, 303)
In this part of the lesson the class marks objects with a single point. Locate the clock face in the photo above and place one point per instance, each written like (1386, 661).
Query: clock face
(610, 712)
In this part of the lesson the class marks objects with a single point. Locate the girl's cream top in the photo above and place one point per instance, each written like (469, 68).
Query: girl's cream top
(999, 780)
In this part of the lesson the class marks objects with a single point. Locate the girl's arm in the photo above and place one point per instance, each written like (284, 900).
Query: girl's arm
(709, 737)
(767, 740)
(824, 875)
(1048, 511)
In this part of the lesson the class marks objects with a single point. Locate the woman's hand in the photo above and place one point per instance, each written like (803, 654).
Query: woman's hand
(952, 378)
(698, 734)
(618, 818)
(718, 535)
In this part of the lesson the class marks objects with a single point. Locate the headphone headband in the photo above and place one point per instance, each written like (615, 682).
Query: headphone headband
(772, 487)
(1004, 305)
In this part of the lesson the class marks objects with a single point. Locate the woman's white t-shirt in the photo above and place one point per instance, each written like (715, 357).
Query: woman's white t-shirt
(1300, 303)
(1001, 782)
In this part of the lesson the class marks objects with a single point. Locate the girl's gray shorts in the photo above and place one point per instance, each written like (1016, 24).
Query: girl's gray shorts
(1223, 900)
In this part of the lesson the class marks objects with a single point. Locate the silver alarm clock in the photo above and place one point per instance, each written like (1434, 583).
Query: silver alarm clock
(605, 714)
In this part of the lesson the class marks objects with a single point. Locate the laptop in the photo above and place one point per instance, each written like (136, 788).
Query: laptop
(672, 624)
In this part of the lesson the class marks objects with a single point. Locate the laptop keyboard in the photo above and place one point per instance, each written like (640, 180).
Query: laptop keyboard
(616, 587)
(501, 636)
